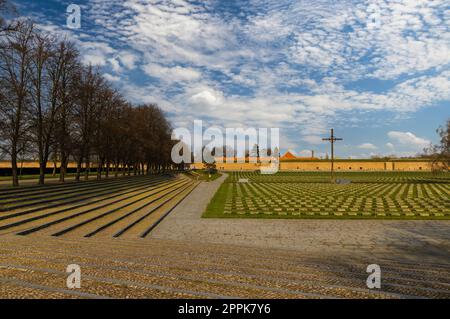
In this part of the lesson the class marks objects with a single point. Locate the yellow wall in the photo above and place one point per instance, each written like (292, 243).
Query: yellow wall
(412, 166)
(7, 164)
(356, 166)
(326, 166)
(289, 166)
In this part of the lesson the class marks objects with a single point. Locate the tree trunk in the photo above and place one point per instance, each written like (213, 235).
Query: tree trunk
(87, 170)
(41, 173)
(43, 167)
(54, 168)
(21, 168)
(15, 177)
(63, 168)
(78, 174)
(100, 164)
(108, 165)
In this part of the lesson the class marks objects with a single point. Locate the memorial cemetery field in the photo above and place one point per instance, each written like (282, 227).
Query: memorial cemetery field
(128, 206)
(373, 195)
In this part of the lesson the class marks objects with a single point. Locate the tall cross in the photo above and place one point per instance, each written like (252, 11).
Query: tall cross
(332, 139)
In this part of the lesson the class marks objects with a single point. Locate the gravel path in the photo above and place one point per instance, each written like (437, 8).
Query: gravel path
(35, 267)
(403, 240)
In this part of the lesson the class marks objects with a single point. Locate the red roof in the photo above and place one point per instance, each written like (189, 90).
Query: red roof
(288, 155)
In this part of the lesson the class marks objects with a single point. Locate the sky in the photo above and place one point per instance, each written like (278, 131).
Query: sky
(377, 71)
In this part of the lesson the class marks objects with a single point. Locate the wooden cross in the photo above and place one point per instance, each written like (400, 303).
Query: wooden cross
(332, 139)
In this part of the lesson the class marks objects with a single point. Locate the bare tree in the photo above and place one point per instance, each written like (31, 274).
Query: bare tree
(65, 64)
(7, 8)
(15, 68)
(440, 153)
(89, 85)
(102, 126)
(43, 106)
(52, 107)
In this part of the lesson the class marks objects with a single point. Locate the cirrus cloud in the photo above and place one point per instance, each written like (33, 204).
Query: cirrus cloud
(301, 65)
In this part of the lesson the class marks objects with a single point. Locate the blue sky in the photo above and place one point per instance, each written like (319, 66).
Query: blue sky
(378, 71)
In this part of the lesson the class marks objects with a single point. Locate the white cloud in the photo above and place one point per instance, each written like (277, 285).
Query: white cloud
(128, 59)
(115, 65)
(94, 59)
(408, 139)
(367, 146)
(287, 143)
(207, 97)
(182, 42)
(171, 74)
(289, 64)
(96, 53)
(312, 139)
(111, 78)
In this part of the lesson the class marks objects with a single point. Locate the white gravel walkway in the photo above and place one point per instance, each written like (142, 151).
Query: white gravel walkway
(394, 239)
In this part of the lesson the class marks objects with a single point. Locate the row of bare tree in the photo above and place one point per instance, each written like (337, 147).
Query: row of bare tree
(54, 107)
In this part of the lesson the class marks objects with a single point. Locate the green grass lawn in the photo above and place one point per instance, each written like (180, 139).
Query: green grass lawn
(369, 195)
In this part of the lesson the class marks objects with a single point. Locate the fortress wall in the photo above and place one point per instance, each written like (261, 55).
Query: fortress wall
(412, 166)
(305, 166)
(318, 166)
(358, 166)
(287, 166)
(238, 166)
(338, 166)
(231, 166)
(7, 164)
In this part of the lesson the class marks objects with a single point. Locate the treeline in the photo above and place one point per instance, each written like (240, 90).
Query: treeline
(52, 107)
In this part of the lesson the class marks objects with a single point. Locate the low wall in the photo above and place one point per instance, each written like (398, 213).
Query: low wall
(32, 168)
(319, 165)
(357, 166)
(29, 164)
(324, 165)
